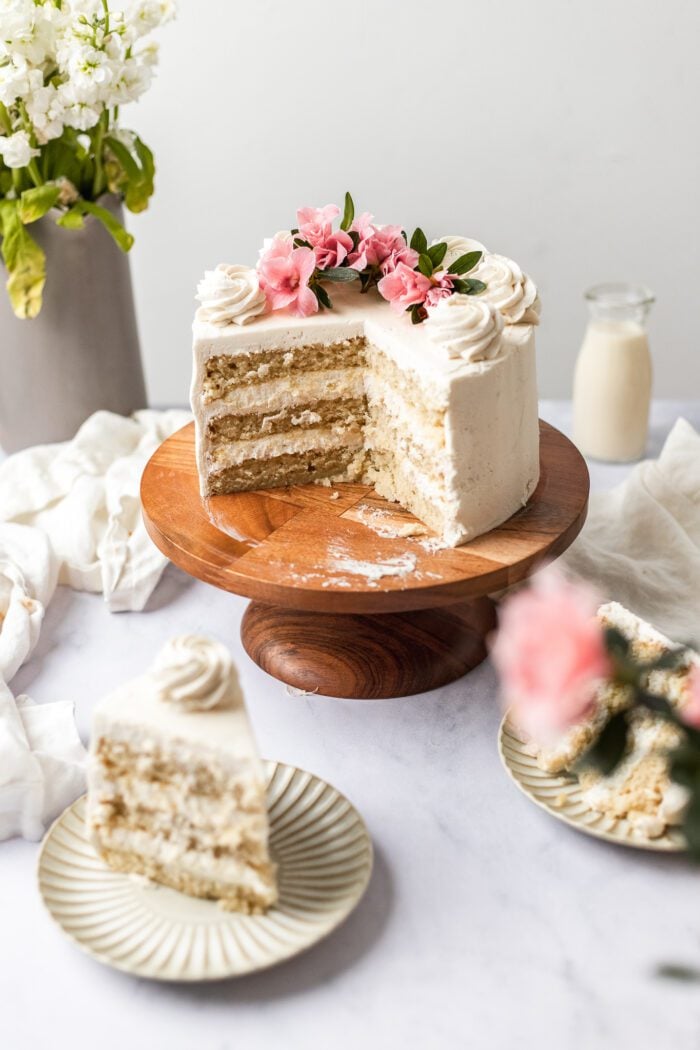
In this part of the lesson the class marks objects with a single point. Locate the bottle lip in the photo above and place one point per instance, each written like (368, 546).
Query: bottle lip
(620, 294)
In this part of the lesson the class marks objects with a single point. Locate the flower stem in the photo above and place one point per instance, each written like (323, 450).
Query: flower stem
(98, 180)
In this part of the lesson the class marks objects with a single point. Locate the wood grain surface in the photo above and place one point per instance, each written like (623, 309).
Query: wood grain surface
(315, 548)
(368, 657)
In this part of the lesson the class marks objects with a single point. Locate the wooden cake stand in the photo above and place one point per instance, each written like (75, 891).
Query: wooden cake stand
(352, 596)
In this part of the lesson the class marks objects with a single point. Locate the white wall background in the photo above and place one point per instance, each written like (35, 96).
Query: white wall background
(562, 133)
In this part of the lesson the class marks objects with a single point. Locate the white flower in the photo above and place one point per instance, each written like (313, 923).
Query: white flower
(14, 80)
(46, 111)
(17, 150)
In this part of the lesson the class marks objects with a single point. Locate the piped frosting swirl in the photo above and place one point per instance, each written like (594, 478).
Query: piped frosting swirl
(508, 288)
(465, 326)
(230, 295)
(193, 672)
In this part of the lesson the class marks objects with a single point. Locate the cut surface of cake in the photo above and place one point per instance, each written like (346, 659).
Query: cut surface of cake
(176, 790)
(640, 789)
(439, 415)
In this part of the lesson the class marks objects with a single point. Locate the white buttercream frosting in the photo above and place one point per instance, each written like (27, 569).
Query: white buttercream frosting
(193, 672)
(466, 327)
(457, 246)
(230, 295)
(508, 288)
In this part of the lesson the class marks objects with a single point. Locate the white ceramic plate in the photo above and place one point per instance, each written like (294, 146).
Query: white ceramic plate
(324, 855)
(560, 795)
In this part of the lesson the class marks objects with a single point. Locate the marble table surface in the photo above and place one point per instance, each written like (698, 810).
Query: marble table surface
(486, 924)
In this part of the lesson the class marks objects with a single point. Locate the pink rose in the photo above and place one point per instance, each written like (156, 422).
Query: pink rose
(442, 286)
(380, 246)
(331, 247)
(550, 653)
(690, 712)
(404, 287)
(284, 273)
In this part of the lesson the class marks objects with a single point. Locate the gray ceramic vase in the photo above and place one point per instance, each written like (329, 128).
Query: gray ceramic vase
(81, 353)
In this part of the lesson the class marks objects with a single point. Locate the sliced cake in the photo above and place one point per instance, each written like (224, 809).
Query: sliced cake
(176, 790)
(422, 386)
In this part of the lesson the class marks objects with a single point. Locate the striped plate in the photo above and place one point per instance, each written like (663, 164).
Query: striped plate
(325, 859)
(561, 796)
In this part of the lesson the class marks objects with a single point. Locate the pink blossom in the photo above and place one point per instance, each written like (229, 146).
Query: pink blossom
(690, 712)
(404, 287)
(331, 247)
(550, 653)
(442, 286)
(284, 273)
(381, 246)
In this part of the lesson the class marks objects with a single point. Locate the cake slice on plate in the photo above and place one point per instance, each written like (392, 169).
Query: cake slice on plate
(176, 790)
(640, 790)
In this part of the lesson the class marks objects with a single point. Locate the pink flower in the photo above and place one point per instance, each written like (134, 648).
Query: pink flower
(284, 273)
(550, 653)
(404, 287)
(331, 247)
(381, 246)
(442, 286)
(690, 711)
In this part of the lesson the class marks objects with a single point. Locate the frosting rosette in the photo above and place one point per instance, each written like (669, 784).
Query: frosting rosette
(193, 673)
(230, 295)
(458, 246)
(508, 288)
(466, 326)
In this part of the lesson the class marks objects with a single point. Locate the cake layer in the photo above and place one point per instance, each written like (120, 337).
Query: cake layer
(338, 464)
(343, 412)
(315, 439)
(251, 899)
(222, 373)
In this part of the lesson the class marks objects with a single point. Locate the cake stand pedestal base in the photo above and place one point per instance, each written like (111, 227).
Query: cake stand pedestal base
(368, 657)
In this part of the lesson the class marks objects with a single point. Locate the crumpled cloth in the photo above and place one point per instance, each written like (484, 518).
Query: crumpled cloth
(641, 543)
(42, 764)
(28, 574)
(84, 496)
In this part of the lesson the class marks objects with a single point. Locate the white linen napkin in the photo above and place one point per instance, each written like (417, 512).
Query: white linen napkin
(42, 764)
(28, 573)
(641, 542)
(84, 495)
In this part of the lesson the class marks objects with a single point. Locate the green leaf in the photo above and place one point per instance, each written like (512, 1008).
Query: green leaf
(339, 274)
(113, 226)
(465, 263)
(36, 202)
(418, 313)
(25, 262)
(72, 219)
(691, 825)
(669, 661)
(607, 751)
(678, 972)
(437, 253)
(419, 242)
(349, 213)
(469, 285)
(322, 296)
(128, 176)
(425, 265)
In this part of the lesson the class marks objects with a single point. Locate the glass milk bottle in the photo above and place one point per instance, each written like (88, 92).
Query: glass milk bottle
(612, 381)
